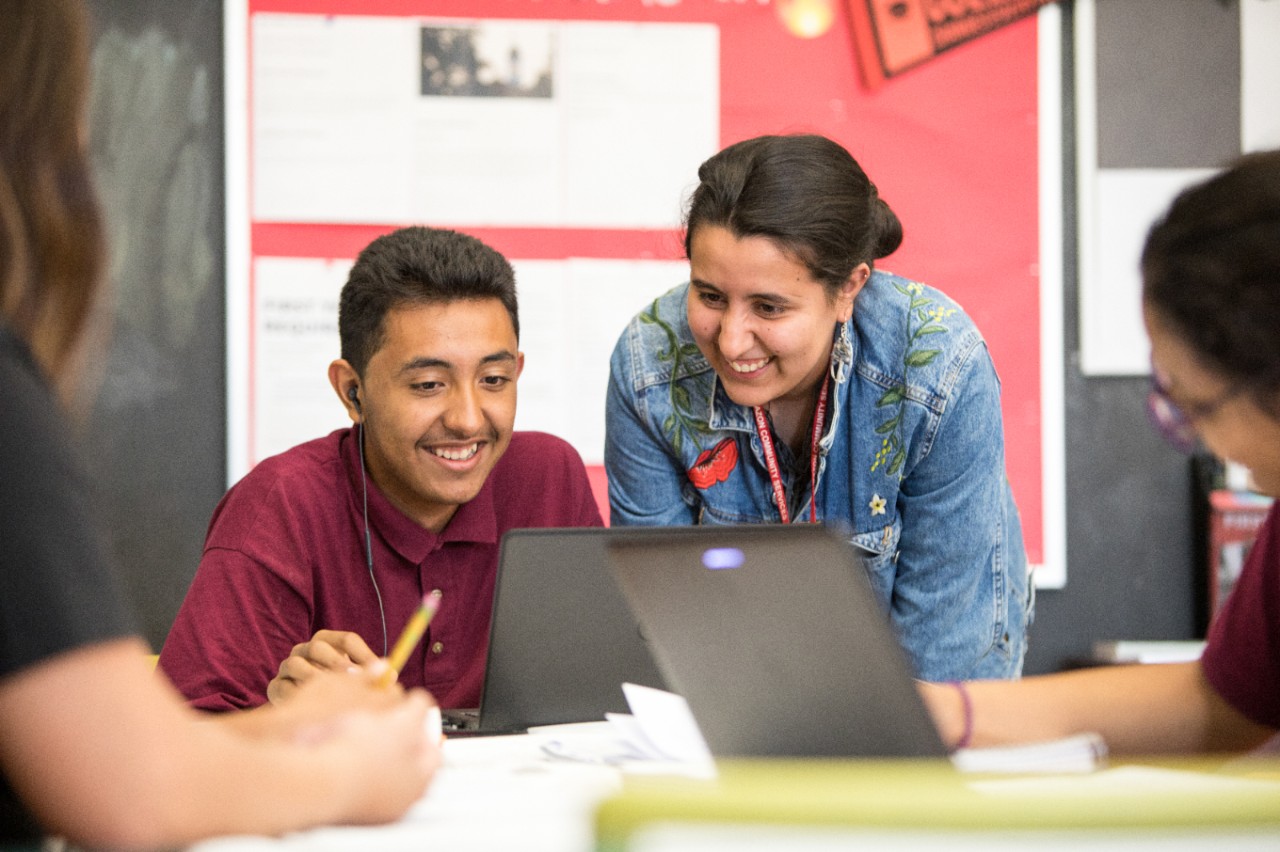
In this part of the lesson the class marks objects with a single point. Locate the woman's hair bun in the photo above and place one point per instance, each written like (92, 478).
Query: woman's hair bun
(886, 228)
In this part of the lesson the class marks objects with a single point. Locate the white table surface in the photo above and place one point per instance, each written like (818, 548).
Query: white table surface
(492, 793)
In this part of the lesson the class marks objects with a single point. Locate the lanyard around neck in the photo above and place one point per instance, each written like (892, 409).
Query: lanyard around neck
(771, 455)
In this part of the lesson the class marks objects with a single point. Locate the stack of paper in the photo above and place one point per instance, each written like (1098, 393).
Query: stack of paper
(1083, 753)
(661, 735)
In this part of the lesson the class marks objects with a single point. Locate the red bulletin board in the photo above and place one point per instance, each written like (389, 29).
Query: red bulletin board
(957, 146)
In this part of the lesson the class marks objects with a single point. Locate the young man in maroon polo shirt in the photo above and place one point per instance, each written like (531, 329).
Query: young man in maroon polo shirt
(318, 557)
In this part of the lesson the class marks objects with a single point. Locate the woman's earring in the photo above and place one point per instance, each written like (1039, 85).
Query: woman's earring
(841, 353)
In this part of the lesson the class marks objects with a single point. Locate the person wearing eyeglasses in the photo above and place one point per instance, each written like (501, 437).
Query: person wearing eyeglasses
(1211, 302)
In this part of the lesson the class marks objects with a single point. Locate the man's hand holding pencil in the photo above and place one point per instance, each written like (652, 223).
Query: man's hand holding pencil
(344, 651)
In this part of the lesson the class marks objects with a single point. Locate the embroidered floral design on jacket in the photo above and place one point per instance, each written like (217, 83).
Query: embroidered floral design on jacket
(893, 454)
(682, 420)
(714, 465)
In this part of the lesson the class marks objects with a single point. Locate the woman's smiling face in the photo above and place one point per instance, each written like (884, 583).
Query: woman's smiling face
(760, 317)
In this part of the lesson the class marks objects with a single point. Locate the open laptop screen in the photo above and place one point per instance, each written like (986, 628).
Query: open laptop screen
(562, 640)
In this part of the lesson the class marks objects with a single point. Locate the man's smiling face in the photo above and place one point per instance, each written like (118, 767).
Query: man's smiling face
(438, 402)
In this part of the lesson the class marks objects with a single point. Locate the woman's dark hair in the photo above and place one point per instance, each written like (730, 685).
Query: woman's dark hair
(51, 235)
(417, 265)
(804, 192)
(1211, 273)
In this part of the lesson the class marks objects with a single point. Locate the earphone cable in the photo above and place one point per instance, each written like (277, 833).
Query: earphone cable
(368, 539)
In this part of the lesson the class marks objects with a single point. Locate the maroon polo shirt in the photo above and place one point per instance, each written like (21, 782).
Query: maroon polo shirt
(1242, 657)
(285, 557)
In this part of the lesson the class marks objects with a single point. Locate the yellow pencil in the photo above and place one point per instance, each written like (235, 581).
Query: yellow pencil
(410, 637)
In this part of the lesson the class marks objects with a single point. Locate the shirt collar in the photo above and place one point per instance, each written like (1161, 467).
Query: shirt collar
(725, 414)
(474, 521)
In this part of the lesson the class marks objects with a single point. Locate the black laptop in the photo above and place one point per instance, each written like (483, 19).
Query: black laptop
(562, 640)
(774, 636)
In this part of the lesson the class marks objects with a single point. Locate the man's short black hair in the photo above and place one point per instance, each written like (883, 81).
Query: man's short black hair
(417, 266)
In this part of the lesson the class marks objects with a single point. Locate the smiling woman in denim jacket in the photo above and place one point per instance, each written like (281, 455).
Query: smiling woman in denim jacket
(789, 381)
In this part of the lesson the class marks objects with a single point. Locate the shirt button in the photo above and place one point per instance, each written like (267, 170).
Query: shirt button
(437, 648)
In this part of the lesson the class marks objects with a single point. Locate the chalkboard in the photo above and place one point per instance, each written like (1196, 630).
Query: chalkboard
(154, 439)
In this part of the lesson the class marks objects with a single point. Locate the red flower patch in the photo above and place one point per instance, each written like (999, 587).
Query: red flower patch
(714, 465)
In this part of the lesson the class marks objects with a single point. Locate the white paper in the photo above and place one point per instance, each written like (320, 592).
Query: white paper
(350, 124)
(1070, 755)
(295, 337)
(659, 736)
(667, 722)
(491, 793)
(1259, 74)
(571, 314)
(1126, 202)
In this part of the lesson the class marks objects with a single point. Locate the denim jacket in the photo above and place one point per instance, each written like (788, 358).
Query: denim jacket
(911, 465)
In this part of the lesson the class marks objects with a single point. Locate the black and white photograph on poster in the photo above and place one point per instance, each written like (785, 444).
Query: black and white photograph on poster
(488, 61)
